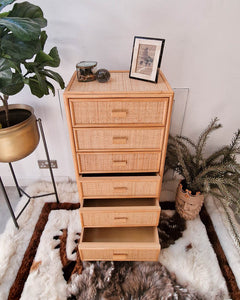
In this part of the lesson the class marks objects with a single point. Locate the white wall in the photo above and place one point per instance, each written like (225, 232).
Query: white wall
(202, 53)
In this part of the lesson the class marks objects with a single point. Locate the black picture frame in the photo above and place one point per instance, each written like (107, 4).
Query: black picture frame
(146, 58)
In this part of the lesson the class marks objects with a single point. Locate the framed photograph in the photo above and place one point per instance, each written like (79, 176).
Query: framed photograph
(146, 58)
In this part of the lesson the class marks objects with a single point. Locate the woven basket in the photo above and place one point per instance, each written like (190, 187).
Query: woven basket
(187, 205)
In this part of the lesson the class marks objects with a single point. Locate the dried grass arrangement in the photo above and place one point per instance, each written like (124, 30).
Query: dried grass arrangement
(217, 174)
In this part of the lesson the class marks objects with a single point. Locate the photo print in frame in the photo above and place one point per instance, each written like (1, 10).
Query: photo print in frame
(146, 58)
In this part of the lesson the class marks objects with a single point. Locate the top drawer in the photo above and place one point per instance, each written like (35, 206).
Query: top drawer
(127, 111)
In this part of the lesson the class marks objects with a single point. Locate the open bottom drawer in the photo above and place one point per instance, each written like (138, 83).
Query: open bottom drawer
(120, 212)
(120, 244)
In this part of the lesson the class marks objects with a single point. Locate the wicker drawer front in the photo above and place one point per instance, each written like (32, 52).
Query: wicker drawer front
(119, 254)
(110, 218)
(121, 186)
(118, 138)
(143, 212)
(119, 162)
(120, 244)
(105, 112)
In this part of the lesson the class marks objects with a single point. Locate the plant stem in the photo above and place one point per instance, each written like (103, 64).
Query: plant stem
(4, 99)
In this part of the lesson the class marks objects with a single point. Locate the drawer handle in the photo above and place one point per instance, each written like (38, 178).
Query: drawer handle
(119, 163)
(118, 113)
(120, 140)
(120, 256)
(120, 189)
(121, 219)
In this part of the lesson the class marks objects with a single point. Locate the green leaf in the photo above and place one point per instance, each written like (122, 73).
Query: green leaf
(51, 87)
(15, 65)
(43, 39)
(4, 65)
(28, 10)
(30, 66)
(5, 72)
(42, 58)
(4, 3)
(40, 88)
(18, 49)
(41, 81)
(5, 77)
(23, 28)
(39, 85)
(35, 88)
(51, 60)
(53, 75)
(14, 86)
(56, 59)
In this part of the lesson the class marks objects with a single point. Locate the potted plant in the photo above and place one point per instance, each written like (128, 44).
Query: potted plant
(23, 62)
(217, 174)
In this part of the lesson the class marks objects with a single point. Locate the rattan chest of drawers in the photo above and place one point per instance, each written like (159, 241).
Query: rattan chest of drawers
(118, 133)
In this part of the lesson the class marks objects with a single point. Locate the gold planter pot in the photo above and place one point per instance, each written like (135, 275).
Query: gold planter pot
(187, 205)
(20, 139)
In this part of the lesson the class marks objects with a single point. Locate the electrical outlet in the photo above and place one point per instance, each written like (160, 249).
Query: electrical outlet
(43, 164)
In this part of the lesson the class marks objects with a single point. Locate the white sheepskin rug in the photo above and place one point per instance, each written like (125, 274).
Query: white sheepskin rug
(194, 266)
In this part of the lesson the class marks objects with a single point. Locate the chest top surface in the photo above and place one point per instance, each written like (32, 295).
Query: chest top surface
(119, 85)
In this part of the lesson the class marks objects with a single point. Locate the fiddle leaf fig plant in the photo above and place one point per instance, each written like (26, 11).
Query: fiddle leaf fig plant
(22, 57)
